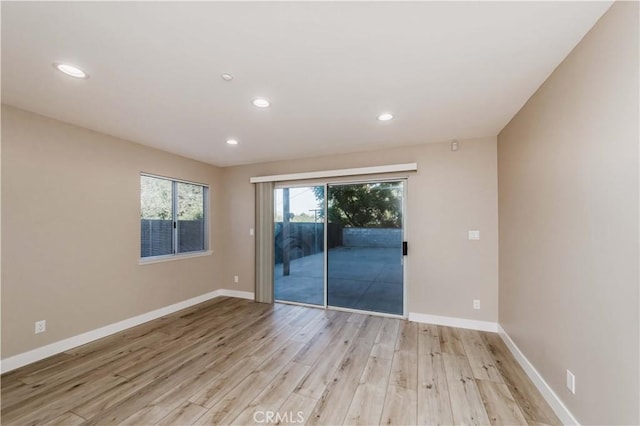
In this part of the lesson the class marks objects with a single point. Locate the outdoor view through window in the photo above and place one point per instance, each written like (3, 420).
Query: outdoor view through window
(172, 217)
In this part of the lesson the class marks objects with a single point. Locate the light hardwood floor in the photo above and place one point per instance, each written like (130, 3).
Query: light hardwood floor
(232, 361)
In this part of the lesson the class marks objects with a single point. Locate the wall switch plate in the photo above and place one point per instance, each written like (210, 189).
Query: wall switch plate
(476, 304)
(235, 278)
(474, 235)
(251, 231)
(41, 326)
(571, 382)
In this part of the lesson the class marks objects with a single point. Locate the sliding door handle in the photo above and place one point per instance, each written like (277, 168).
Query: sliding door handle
(405, 249)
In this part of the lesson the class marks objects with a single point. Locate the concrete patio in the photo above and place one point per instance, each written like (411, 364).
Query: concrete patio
(359, 278)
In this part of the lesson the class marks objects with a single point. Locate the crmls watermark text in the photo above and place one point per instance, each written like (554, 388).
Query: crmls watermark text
(278, 417)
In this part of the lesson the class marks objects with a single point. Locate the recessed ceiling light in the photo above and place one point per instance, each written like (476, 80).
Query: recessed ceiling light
(71, 70)
(226, 76)
(385, 117)
(260, 102)
(232, 142)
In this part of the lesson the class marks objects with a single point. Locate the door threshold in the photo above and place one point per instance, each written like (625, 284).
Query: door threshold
(289, 302)
(338, 308)
(359, 311)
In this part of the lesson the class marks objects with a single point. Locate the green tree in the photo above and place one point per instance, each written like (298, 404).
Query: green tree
(156, 199)
(190, 201)
(373, 205)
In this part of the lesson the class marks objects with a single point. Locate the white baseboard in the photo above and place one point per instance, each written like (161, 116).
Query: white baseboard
(549, 395)
(46, 351)
(454, 322)
(237, 294)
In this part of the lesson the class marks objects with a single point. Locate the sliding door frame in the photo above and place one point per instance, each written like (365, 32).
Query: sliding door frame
(325, 184)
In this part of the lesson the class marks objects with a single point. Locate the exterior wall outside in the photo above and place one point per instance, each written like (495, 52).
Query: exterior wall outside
(372, 237)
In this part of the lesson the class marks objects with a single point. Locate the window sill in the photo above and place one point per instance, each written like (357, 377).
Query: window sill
(171, 257)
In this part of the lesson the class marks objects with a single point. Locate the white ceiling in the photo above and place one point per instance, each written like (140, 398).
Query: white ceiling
(445, 70)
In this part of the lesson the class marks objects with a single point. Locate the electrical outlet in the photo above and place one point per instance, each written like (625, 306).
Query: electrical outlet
(251, 232)
(571, 382)
(41, 326)
(476, 304)
(474, 235)
(235, 279)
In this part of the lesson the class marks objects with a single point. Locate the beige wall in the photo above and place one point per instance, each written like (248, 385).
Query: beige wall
(71, 230)
(451, 193)
(568, 195)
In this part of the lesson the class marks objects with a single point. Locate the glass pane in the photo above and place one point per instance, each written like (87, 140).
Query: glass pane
(299, 245)
(156, 217)
(191, 232)
(364, 240)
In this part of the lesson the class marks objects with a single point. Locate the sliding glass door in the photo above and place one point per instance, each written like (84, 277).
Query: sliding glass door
(299, 245)
(341, 246)
(364, 258)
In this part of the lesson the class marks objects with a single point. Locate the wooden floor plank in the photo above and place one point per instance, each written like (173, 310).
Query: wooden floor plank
(321, 372)
(223, 361)
(296, 410)
(501, 408)
(333, 405)
(170, 373)
(322, 339)
(185, 414)
(209, 345)
(400, 406)
(275, 394)
(434, 407)
(167, 402)
(466, 405)
(482, 363)
(404, 368)
(307, 316)
(428, 339)
(66, 419)
(235, 374)
(385, 343)
(212, 393)
(57, 360)
(531, 402)
(259, 336)
(176, 346)
(106, 399)
(450, 342)
(95, 366)
(162, 324)
(52, 405)
(238, 398)
(140, 401)
(315, 325)
(368, 400)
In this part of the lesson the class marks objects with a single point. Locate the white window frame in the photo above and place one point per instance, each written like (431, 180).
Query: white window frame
(174, 204)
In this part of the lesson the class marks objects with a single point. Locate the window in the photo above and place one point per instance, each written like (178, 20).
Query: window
(173, 217)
